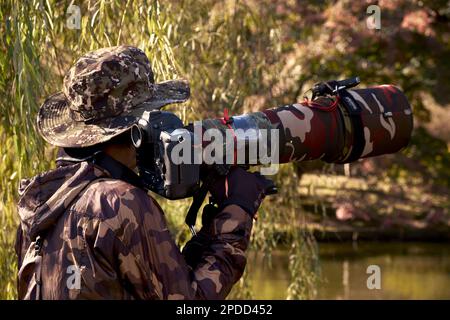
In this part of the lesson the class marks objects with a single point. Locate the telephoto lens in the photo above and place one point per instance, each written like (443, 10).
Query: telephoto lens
(339, 124)
(338, 128)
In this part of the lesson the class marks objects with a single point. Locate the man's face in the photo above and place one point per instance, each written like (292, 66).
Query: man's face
(131, 159)
(124, 153)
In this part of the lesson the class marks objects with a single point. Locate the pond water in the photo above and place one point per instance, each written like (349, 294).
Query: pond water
(408, 271)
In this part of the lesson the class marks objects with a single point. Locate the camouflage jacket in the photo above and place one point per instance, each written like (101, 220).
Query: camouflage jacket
(104, 238)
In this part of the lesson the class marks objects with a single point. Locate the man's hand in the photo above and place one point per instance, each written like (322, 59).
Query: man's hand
(242, 188)
(239, 187)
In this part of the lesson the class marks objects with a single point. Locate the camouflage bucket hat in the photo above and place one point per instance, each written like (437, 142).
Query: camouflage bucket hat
(103, 95)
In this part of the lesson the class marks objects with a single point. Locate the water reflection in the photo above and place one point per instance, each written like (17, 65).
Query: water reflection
(408, 271)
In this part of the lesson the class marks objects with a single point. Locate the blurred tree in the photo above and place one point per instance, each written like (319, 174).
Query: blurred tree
(330, 39)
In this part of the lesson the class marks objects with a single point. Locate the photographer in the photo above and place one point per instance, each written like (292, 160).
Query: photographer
(89, 230)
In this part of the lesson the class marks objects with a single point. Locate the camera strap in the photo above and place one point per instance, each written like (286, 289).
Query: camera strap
(227, 121)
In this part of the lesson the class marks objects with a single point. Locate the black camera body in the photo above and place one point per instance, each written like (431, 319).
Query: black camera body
(159, 133)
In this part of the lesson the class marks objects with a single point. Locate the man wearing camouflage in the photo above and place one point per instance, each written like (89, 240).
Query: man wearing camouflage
(89, 230)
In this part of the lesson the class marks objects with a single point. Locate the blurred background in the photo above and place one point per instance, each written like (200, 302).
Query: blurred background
(316, 239)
